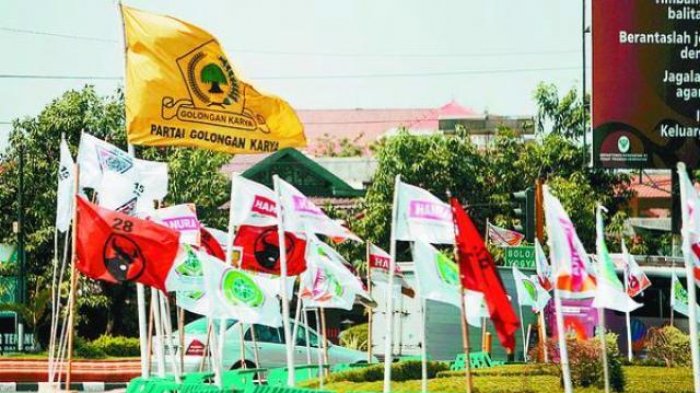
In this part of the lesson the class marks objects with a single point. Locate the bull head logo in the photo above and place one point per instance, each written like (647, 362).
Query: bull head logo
(267, 251)
(123, 258)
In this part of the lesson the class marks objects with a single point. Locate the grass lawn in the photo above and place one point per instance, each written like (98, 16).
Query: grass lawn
(518, 378)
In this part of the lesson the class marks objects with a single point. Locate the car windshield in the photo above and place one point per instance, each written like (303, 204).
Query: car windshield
(199, 326)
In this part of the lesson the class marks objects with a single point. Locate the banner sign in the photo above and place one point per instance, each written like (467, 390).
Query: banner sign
(646, 83)
(522, 256)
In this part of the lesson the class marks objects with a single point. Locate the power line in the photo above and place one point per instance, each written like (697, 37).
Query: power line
(317, 77)
(319, 54)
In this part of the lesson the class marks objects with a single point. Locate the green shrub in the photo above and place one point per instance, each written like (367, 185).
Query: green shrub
(355, 337)
(669, 346)
(86, 350)
(586, 365)
(400, 371)
(118, 346)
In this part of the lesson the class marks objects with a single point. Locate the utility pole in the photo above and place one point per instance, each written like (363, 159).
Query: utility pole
(539, 211)
(21, 284)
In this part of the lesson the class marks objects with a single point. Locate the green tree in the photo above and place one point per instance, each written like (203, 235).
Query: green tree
(195, 177)
(560, 115)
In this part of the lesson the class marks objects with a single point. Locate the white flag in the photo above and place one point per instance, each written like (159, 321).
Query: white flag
(690, 205)
(437, 277)
(574, 277)
(610, 293)
(65, 192)
(182, 218)
(422, 216)
(252, 203)
(122, 182)
(187, 273)
(637, 280)
(530, 292)
(679, 298)
(379, 261)
(327, 282)
(302, 216)
(544, 269)
(195, 302)
(240, 294)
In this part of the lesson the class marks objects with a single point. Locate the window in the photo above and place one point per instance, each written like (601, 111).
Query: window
(301, 337)
(266, 334)
(199, 326)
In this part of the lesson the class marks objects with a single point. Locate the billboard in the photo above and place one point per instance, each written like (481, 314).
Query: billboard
(646, 83)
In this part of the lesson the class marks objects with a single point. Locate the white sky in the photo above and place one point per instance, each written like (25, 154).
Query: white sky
(315, 53)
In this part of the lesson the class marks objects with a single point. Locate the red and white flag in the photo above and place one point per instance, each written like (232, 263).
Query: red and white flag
(690, 205)
(379, 262)
(637, 281)
(503, 237)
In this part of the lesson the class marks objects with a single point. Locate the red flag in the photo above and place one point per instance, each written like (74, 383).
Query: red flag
(261, 250)
(116, 247)
(478, 273)
(210, 245)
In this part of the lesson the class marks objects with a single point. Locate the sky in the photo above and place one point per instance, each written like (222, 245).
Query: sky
(486, 54)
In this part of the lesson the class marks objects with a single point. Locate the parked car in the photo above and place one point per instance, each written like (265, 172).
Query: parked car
(269, 341)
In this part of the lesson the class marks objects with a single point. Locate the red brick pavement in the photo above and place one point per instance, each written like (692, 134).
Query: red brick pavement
(33, 370)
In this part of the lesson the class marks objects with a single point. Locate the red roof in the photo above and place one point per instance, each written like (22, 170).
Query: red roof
(654, 186)
(364, 126)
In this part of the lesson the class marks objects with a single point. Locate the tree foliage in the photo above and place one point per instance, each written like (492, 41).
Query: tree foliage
(194, 177)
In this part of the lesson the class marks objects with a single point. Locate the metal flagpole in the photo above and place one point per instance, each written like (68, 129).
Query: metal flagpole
(522, 330)
(625, 275)
(158, 339)
(369, 309)
(424, 350)
(561, 335)
(73, 277)
(603, 347)
(283, 273)
(306, 336)
(690, 277)
(390, 293)
(165, 310)
(222, 324)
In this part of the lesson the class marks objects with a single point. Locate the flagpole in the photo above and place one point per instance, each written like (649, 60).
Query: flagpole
(322, 311)
(543, 335)
(627, 314)
(167, 323)
(424, 350)
(390, 293)
(522, 330)
(692, 297)
(369, 309)
(158, 341)
(283, 273)
(222, 329)
(307, 336)
(487, 240)
(603, 347)
(181, 334)
(319, 349)
(561, 336)
(73, 276)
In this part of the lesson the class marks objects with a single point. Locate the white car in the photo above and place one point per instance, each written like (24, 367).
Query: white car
(269, 343)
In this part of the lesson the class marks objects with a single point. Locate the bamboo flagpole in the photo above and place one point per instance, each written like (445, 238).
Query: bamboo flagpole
(322, 311)
(561, 335)
(543, 335)
(319, 349)
(73, 277)
(625, 276)
(424, 349)
(390, 293)
(603, 347)
(369, 309)
(522, 330)
(167, 324)
(463, 312)
(283, 273)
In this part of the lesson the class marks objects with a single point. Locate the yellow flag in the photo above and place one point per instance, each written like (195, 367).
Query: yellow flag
(182, 90)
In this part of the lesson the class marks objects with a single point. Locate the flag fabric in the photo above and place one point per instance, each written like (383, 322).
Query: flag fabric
(574, 275)
(327, 282)
(503, 237)
(252, 203)
(679, 298)
(475, 308)
(182, 90)
(637, 280)
(195, 302)
(301, 215)
(544, 269)
(421, 215)
(123, 183)
(182, 218)
(610, 293)
(478, 273)
(210, 244)
(115, 247)
(690, 203)
(437, 276)
(261, 252)
(186, 273)
(530, 292)
(379, 262)
(239, 294)
(66, 188)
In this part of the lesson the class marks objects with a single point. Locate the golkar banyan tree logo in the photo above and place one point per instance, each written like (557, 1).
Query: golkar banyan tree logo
(215, 95)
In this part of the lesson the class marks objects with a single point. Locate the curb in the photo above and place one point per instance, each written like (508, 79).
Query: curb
(47, 387)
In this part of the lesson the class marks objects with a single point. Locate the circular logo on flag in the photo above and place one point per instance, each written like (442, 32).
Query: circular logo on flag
(123, 258)
(447, 270)
(191, 266)
(239, 289)
(267, 250)
(530, 289)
